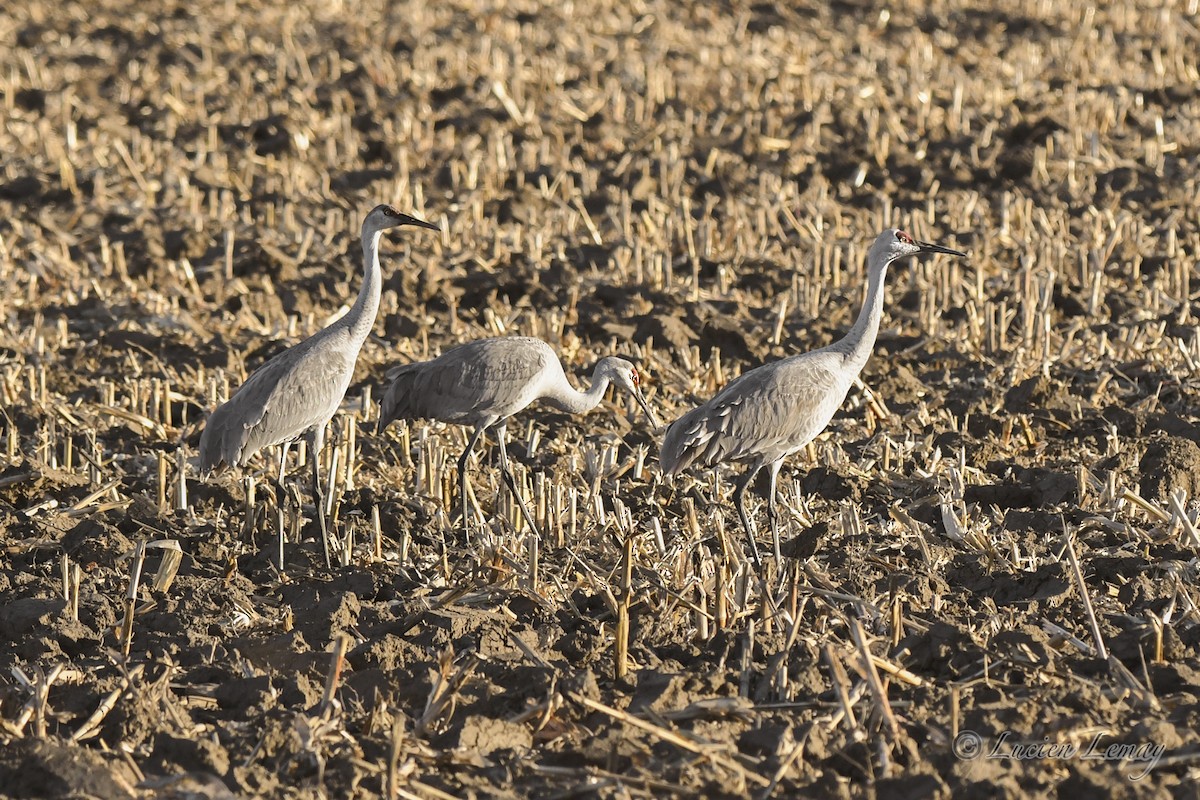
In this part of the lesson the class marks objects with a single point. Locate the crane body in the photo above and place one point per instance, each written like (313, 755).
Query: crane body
(772, 411)
(297, 392)
(484, 382)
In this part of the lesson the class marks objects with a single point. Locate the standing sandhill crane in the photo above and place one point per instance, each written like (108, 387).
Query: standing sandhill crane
(295, 393)
(774, 410)
(483, 383)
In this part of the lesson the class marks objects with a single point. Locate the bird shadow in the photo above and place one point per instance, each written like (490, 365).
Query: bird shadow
(806, 541)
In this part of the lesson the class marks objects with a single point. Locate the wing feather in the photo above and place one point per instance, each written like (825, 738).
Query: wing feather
(477, 382)
(285, 398)
(764, 415)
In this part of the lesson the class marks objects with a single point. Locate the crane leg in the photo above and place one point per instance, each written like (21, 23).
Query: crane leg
(773, 510)
(511, 480)
(462, 477)
(281, 498)
(739, 501)
(317, 441)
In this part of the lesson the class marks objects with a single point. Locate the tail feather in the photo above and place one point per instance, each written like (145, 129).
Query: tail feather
(397, 400)
(679, 447)
(212, 441)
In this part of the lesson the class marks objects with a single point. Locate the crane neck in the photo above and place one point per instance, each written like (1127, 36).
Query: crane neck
(860, 340)
(362, 315)
(566, 398)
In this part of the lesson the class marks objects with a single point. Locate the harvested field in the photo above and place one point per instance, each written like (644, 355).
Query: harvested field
(994, 545)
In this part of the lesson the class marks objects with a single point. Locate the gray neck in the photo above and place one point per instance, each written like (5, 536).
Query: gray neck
(860, 341)
(362, 315)
(565, 398)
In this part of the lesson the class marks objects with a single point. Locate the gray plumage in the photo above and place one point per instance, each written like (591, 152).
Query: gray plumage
(484, 382)
(772, 411)
(298, 391)
(292, 395)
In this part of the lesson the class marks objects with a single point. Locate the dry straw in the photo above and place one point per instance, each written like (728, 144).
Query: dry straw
(692, 187)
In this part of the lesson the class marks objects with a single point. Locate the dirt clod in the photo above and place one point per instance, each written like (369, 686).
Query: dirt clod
(690, 185)
(1170, 463)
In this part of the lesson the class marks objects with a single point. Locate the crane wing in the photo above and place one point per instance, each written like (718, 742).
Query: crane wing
(484, 380)
(285, 398)
(764, 415)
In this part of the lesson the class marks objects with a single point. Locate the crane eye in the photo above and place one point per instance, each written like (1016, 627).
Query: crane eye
(904, 237)
(633, 376)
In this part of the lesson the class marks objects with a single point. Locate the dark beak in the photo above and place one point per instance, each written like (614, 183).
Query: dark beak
(405, 219)
(926, 247)
(641, 400)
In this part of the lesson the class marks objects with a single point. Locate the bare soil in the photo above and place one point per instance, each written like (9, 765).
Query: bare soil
(692, 185)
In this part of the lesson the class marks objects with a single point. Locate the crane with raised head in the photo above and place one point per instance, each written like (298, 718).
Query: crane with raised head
(770, 412)
(298, 391)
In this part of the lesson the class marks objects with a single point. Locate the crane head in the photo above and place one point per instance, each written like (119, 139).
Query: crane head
(384, 216)
(625, 376)
(895, 243)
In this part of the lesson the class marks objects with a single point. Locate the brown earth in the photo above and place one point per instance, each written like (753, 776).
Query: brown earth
(693, 186)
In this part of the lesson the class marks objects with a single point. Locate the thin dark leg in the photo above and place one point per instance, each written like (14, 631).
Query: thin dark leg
(739, 500)
(281, 498)
(462, 477)
(773, 511)
(511, 480)
(317, 440)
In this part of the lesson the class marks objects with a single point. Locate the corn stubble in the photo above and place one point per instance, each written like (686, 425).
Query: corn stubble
(688, 186)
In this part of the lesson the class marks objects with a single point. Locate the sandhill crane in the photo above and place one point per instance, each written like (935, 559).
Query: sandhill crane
(772, 411)
(484, 382)
(298, 391)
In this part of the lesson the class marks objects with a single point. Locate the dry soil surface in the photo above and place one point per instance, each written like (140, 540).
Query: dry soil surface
(991, 553)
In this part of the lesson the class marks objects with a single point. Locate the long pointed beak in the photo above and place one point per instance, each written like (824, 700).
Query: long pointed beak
(405, 219)
(641, 399)
(927, 247)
